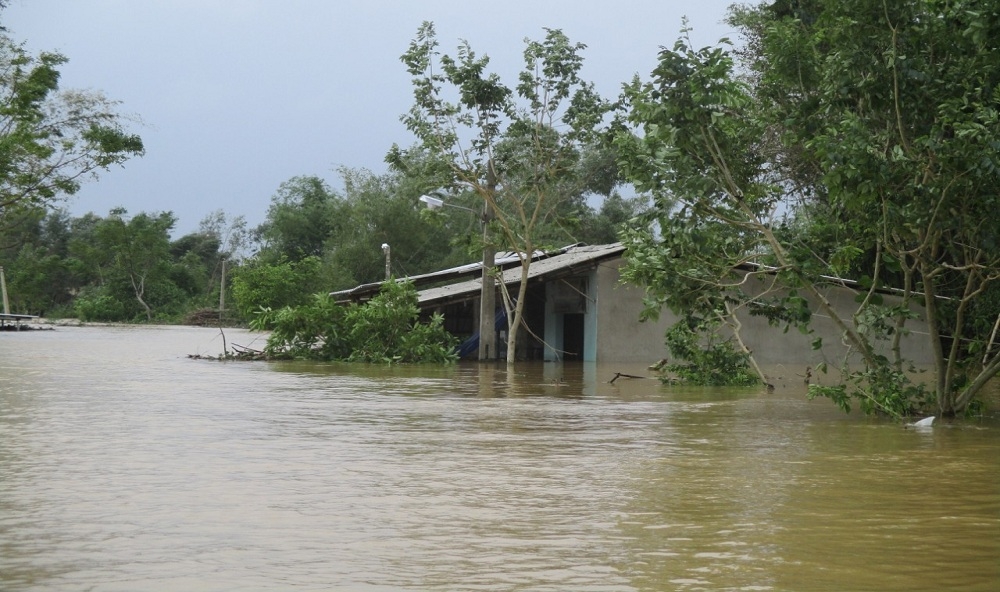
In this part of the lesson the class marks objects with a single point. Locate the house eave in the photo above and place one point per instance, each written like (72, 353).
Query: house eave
(571, 261)
(505, 261)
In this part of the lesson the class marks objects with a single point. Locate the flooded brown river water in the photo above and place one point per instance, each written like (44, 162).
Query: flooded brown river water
(126, 466)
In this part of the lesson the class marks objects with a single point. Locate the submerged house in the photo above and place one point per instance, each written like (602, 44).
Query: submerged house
(578, 309)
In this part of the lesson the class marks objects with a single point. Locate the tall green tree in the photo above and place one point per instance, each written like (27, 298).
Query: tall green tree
(196, 260)
(41, 272)
(344, 229)
(304, 213)
(139, 250)
(517, 149)
(603, 226)
(876, 122)
(51, 140)
(86, 256)
(260, 285)
(383, 209)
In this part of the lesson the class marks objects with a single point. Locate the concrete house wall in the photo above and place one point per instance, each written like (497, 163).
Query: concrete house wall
(624, 337)
(611, 326)
(772, 346)
(612, 331)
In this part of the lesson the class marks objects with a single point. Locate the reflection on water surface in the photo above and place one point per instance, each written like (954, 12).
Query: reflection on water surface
(126, 466)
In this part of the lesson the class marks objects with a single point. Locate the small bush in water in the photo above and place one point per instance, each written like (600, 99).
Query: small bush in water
(385, 329)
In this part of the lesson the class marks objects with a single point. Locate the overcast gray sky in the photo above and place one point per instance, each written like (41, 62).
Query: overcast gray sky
(238, 96)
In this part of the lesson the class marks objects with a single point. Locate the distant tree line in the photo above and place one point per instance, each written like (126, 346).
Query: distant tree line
(114, 268)
(128, 268)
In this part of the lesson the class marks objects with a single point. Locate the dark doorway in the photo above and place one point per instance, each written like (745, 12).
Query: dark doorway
(573, 336)
(534, 321)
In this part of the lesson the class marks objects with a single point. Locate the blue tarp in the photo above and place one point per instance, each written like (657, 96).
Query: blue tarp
(472, 344)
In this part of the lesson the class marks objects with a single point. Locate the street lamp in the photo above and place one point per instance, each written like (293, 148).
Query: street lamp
(487, 294)
(388, 270)
(434, 203)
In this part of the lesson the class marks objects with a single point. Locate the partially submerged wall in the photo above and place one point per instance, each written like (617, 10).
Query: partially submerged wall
(773, 345)
(621, 337)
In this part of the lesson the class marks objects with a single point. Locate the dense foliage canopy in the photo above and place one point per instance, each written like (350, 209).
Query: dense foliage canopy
(51, 140)
(117, 268)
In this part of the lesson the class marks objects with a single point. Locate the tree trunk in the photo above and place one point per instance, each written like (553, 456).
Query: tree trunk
(140, 289)
(515, 325)
(736, 326)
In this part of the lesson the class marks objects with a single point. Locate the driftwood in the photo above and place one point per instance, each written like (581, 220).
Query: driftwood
(210, 317)
(239, 352)
(620, 375)
(205, 317)
(249, 353)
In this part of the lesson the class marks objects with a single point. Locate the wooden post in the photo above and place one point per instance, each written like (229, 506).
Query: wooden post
(222, 291)
(3, 287)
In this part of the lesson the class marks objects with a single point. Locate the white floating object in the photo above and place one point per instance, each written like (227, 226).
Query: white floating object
(924, 423)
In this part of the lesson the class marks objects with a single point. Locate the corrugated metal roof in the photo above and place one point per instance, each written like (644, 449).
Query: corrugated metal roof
(569, 261)
(504, 259)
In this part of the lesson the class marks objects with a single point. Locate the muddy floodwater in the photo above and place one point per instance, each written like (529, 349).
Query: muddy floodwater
(127, 466)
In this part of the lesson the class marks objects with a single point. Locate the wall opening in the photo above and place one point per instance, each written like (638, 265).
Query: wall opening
(573, 334)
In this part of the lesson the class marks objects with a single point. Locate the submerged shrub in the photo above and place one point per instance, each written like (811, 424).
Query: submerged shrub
(385, 329)
(716, 363)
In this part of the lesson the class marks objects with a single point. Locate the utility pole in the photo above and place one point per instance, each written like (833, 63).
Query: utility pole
(487, 297)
